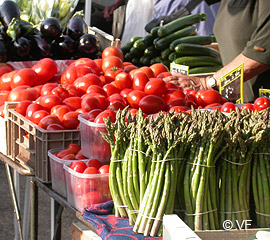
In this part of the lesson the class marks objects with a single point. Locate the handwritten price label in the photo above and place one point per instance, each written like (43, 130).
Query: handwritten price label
(179, 68)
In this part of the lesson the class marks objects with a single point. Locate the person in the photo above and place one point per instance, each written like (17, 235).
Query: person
(242, 32)
(166, 8)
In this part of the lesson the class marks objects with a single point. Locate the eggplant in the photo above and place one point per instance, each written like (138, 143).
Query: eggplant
(20, 49)
(40, 48)
(3, 52)
(76, 27)
(27, 29)
(64, 47)
(51, 28)
(88, 45)
(9, 10)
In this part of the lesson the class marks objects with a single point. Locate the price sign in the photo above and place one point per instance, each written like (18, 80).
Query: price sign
(264, 92)
(179, 68)
(231, 85)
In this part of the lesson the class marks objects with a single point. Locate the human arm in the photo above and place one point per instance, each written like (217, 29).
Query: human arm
(108, 11)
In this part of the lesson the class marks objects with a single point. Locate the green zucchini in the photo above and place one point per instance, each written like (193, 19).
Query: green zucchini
(155, 60)
(128, 56)
(127, 47)
(139, 44)
(154, 31)
(165, 42)
(165, 53)
(135, 38)
(166, 62)
(196, 50)
(145, 60)
(204, 69)
(151, 51)
(196, 39)
(136, 52)
(180, 23)
(148, 40)
(195, 61)
(172, 56)
(136, 61)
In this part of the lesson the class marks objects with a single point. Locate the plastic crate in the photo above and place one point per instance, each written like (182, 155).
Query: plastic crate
(83, 190)
(57, 172)
(29, 144)
(92, 143)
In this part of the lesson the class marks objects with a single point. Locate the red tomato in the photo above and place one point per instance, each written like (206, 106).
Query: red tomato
(47, 88)
(248, 106)
(3, 96)
(32, 107)
(104, 169)
(174, 94)
(5, 69)
(176, 102)
(116, 97)
(22, 106)
(50, 101)
(5, 80)
(98, 61)
(213, 105)
(227, 107)
(261, 103)
(61, 111)
(155, 86)
(134, 98)
(164, 75)
(74, 147)
(209, 96)
(129, 68)
(54, 108)
(65, 152)
(82, 83)
(55, 127)
(25, 76)
(105, 114)
(110, 89)
(177, 109)
(78, 166)
(125, 92)
(158, 68)
(89, 103)
(116, 105)
(87, 62)
(38, 115)
(139, 81)
(23, 93)
(90, 170)
(103, 102)
(48, 120)
(70, 120)
(69, 156)
(111, 73)
(60, 92)
(198, 97)
(111, 62)
(92, 197)
(80, 156)
(93, 162)
(96, 89)
(147, 70)
(38, 88)
(112, 51)
(122, 81)
(45, 68)
(73, 102)
(93, 113)
(151, 104)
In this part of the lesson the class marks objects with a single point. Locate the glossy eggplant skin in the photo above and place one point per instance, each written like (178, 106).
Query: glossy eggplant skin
(28, 29)
(88, 45)
(51, 29)
(20, 49)
(63, 47)
(9, 10)
(3, 52)
(76, 27)
(40, 48)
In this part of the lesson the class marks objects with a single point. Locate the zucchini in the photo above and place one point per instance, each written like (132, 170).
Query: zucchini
(139, 44)
(134, 39)
(151, 51)
(196, 50)
(172, 56)
(165, 42)
(148, 40)
(136, 52)
(165, 53)
(204, 69)
(154, 31)
(196, 39)
(136, 61)
(166, 62)
(180, 23)
(155, 60)
(128, 56)
(145, 60)
(195, 61)
(127, 47)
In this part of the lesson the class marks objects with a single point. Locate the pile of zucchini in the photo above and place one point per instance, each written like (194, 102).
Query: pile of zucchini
(177, 42)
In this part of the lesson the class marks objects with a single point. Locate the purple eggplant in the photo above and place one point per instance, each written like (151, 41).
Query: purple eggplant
(51, 29)
(40, 48)
(19, 49)
(64, 47)
(76, 27)
(88, 45)
(3, 52)
(9, 10)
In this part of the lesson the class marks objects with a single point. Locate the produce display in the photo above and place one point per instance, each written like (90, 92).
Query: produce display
(21, 40)
(177, 42)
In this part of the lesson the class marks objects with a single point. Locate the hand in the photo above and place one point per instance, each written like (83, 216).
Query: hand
(187, 82)
(108, 12)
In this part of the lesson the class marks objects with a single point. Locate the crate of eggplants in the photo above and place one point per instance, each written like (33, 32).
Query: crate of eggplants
(21, 41)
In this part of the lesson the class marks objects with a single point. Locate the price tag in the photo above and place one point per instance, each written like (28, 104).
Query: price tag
(231, 85)
(179, 68)
(264, 92)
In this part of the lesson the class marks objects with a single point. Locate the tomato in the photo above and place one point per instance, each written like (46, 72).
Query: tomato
(74, 147)
(125, 92)
(5, 80)
(5, 69)
(32, 107)
(82, 83)
(134, 98)
(111, 62)
(198, 97)
(73, 102)
(3, 96)
(105, 114)
(248, 106)
(80, 156)
(70, 156)
(78, 166)
(227, 107)
(50, 101)
(55, 127)
(122, 81)
(61, 154)
(103, 102)
(158, 68)
(116, 97)
(22, 106)
(174, 94)
(164, 75)
(46, 121)
(176, 102)
(45, 69)
(139, 81)
(209, 96)
(110, 89)
(96, 89)
(61, 111)
(129, 68)
(47, 88)
(92, 197)
(70, 120)
(104, 169)
(87, 62)
(213, 105)
(89, 103)
(23, 93)
(112, 51)
(93, 162)
(93, 114)
(54, 108)
(147, 70)
(25, 76)
(90, 170)
(61, 92)
(177, 109)
(111, 73)
(261, 103)
(152, 104)
(116, 105)
(155, 86)
(38, 115)
(98, 61)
